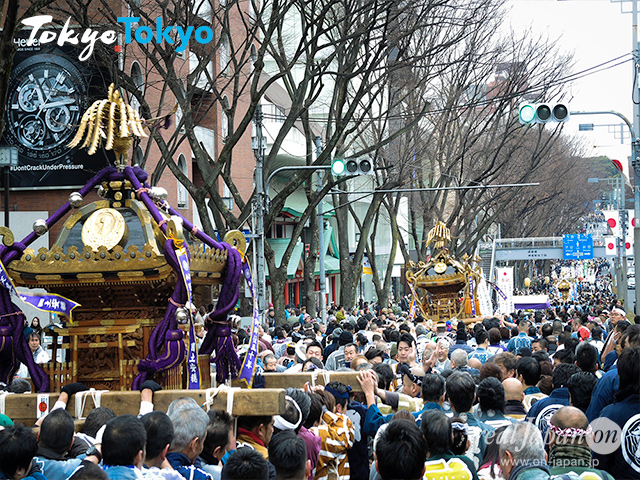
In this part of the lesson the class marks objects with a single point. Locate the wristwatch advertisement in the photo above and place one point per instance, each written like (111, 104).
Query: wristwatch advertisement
(49, 90)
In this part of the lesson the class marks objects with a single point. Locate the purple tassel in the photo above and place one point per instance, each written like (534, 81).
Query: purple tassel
(226, 359)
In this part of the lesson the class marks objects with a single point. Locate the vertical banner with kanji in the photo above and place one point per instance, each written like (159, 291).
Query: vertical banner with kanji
(249, 364)
(504, 281)
(193, 381)
(484, 298)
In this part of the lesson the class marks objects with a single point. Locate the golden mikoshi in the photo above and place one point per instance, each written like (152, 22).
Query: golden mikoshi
(112, 120)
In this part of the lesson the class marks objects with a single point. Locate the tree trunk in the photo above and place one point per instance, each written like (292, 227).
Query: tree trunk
(309, 295)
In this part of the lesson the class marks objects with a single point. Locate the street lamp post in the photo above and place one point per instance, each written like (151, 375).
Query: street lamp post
(635, 147)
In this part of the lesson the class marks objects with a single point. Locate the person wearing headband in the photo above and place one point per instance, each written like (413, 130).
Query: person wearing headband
(569, 451)
(615, 315)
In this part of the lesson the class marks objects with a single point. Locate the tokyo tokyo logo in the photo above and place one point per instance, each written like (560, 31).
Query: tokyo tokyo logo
(143, 34)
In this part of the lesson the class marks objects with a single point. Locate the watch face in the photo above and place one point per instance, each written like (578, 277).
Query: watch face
(47, 95)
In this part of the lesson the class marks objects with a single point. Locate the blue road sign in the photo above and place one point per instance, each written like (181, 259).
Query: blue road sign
(577, 247)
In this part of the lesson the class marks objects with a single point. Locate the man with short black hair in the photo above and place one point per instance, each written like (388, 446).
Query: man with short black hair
(481, 353)
(159, 429)
(581, 387)
(541, 411)
(246, 463)
(255, 431)
(586, 357)
(288, 454)
(220, 439)
(461, 392)
(97, 418)
(123, 446)
(336, 359)
(528, 371)
(18, 445)
(522, 340)
(54, 441)
(400, 451)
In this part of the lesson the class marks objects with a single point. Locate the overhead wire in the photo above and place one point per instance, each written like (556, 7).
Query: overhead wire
(498, 98)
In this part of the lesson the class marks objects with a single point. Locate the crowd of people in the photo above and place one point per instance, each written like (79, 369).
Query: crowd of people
(516, 397)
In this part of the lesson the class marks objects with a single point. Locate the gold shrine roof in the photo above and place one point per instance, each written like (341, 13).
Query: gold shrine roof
(130, 250)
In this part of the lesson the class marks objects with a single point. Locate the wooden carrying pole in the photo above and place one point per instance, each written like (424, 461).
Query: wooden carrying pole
(317, 377)
(268, 401)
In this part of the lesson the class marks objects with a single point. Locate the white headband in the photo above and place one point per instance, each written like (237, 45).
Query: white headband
(282, 424)
(620, 311)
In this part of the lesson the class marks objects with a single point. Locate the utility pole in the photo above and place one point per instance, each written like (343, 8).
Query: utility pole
(258, 145)
(323, 281)
(635, 145)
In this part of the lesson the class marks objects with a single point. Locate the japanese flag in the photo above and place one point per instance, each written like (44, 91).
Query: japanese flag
(610, 245)
(613, 220)
(628, 245)
(631, 223)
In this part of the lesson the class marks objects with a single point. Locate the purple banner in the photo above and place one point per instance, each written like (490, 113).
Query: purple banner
(497, 289)
(471, 296)
(249, 363)
(183, 259)
(50, 302)
(192, 359)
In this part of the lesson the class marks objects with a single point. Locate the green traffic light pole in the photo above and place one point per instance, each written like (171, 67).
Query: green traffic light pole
(622, 251)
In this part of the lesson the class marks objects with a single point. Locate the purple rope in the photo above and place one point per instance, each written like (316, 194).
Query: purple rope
(15, 346)
(226, 358)
(166, 334)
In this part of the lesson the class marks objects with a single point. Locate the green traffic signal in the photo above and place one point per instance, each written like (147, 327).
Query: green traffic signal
(527, 113)
(338, 166)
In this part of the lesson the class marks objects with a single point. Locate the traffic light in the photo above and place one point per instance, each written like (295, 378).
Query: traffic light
(529, 113)
(351, 166)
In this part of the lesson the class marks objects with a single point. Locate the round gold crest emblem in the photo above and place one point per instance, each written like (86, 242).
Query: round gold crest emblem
(104, 228)
(440, 268)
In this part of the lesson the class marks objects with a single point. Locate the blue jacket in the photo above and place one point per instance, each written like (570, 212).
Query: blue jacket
(54, 466)
(603, 393)
(477, 432)
(374, 419)
(181, 463)
(541, 411)
(122, 472)
(516, 343)
(624, 463)
(358, 454)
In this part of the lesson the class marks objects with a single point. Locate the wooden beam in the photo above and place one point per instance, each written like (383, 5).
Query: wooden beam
(298, 380)
(267, 401)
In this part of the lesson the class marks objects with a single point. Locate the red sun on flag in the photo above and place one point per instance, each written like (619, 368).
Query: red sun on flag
(627, 245)
(612, 222)
(610, 246)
